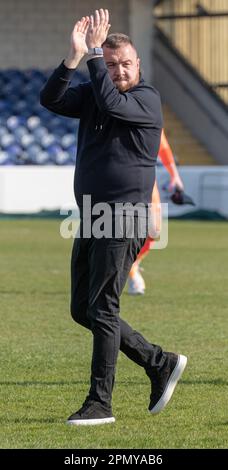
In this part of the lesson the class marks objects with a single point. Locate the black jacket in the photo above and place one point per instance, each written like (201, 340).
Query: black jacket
(119, 133)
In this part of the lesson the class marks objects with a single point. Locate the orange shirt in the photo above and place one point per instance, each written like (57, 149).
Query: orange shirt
(167, 158)
(165, 153)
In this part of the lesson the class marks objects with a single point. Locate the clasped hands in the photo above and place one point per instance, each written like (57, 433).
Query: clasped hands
(91, 31)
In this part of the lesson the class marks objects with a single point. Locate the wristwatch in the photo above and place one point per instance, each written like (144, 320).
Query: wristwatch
(95, 51)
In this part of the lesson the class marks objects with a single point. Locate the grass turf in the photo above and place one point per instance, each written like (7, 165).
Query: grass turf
(45, 357)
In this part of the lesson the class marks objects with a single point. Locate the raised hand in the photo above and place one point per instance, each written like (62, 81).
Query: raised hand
(98, 28)
(78, 36)
(78, 47)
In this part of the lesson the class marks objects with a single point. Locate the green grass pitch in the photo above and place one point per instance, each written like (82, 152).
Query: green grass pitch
(45, 356)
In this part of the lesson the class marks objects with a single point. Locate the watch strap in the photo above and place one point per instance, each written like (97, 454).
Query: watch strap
(95, 51)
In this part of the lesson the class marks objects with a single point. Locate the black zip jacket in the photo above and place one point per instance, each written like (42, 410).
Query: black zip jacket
(119, 133)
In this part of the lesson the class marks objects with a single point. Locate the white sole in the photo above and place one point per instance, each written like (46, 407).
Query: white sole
(171, 384)
(91, 422)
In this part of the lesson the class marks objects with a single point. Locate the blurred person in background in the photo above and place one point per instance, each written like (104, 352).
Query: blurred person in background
(136, 283)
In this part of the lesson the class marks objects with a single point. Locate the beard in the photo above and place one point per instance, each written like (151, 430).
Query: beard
(124, 85)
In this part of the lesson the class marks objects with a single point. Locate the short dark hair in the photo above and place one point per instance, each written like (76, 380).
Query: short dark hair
(115, 40)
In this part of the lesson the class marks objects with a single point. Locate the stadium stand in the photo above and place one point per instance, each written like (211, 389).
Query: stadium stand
(187, 149)
(29, 134)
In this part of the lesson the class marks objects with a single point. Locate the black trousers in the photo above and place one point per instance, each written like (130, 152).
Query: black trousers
(99, 270)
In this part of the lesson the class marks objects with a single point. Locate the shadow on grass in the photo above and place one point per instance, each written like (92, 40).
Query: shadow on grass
(26, 420)
(132, 382)
(32, 292)
(28, 383)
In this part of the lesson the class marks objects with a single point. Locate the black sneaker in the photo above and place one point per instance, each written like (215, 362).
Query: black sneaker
(163, 382)
(91, 413)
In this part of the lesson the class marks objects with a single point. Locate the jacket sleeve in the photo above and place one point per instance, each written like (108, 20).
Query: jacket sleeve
(139, 106)
(58, 97)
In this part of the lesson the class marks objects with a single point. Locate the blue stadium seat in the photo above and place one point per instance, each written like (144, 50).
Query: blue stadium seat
(72, 150)
(20, 131)
(43, 158)
(5, 158)
(47, 140)
(33, 122)
(33, 152)
(3, 130)
(6, 140)
(63, 158)
(14, 151)
(72, 125)
(29, 133)
(27, 140)
(15, 121)
(68, 140)
(54, 150)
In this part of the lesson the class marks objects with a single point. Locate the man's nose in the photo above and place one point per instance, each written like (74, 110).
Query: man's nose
(119, 69)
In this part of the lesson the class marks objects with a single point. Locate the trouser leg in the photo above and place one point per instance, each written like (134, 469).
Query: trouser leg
(139, 350)
(95, 275)
(97, 283)
(107, 260)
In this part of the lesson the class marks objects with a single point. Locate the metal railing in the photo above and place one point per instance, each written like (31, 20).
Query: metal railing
(201, 35)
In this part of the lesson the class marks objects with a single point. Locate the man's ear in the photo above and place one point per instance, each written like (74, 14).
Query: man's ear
(138, 62)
